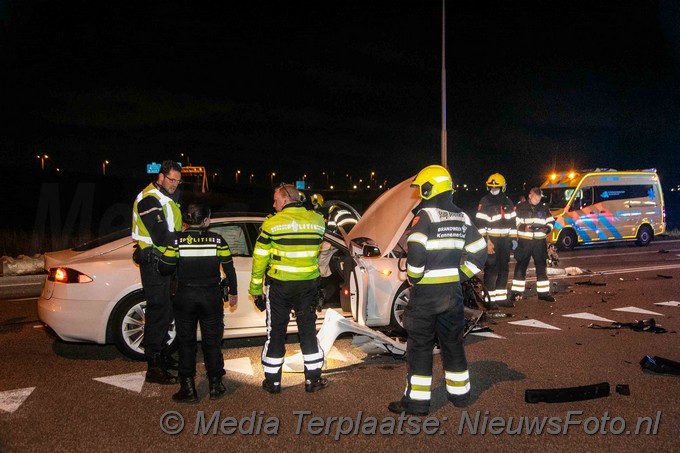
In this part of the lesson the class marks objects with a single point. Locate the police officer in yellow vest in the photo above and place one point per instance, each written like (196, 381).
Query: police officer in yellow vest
(287, 250)
(155, 219)
(440, 234)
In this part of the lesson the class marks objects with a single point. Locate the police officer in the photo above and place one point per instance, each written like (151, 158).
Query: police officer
(495, 219)
(534, 222)
(155, 219)
(287, 250)
(440, 233)
(198, 254)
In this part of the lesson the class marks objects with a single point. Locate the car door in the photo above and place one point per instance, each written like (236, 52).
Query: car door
(239, 236)
(584, 216)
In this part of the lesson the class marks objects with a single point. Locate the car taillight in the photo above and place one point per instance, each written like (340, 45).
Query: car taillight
(67, 275)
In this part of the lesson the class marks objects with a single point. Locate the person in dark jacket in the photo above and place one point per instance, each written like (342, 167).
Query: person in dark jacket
(440, 234)
(534, 222)
(197, 255)
(495, 219)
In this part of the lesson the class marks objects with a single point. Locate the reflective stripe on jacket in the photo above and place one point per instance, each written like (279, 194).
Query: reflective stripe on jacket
(440, 233)
(168, 209)
(288, 247)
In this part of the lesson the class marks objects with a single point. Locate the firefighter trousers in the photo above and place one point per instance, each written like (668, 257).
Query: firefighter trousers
(497, 267)
(526, 250)
(435, 312)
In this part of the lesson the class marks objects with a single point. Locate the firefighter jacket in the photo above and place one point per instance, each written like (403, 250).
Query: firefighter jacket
(198, 255)
(496, 216)
(288, 247)
(155, 218)
(440, 233)
(533, 221)
(340, 218)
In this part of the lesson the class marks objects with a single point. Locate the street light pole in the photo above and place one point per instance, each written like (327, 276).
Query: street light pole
(104, 164)
(272, 178)
(444, 149)
(42, 158)
(238, 172)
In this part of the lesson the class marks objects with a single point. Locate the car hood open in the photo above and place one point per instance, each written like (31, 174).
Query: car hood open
(387, 217)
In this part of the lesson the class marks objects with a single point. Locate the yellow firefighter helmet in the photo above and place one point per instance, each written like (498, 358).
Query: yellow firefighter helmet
(496, 181)
(433, 180)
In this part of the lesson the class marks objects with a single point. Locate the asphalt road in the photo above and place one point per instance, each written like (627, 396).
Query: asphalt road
(68, 410)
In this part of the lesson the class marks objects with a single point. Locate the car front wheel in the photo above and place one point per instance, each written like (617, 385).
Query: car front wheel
(567, 240)
(398, 306)
(128, 321)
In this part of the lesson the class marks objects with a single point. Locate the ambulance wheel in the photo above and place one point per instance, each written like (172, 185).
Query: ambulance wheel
(644, 235)
(567, 240)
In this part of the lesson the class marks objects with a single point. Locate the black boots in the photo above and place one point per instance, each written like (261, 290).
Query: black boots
(546, 298)
(155, 374)
(316, 385)
(187, 391)
(397, 407)
(217, 388)
(271, 388)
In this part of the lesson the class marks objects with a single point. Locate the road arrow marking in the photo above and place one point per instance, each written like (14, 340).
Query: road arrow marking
(241, 365)
(486, 334)
(129, 381)
(588, 316)
(335, 354)
(534, 323)
(12, 399)
(670, 303)
(637, 310)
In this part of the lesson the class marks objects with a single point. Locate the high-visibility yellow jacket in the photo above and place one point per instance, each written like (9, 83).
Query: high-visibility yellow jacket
(155, 219)
(288, 247)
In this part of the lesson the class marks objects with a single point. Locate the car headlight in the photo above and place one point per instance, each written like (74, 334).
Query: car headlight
(67, 275)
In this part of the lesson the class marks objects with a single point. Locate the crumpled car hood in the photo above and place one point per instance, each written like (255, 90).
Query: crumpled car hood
(387, 217)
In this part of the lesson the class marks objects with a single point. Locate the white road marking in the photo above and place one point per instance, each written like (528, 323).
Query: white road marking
(129, 381)
(11, 400)
(671, 303)
(588, 316)
(632, 309)
(487, 334)
(534, 323)
(335, 354)
(241, 365)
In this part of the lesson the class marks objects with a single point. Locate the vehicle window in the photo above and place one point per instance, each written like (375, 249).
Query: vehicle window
(235, 236)
(104, 240)
(582, 199)
(557, 197)
(609, 193)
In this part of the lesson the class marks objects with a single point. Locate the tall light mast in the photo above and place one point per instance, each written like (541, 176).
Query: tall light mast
(444, 149)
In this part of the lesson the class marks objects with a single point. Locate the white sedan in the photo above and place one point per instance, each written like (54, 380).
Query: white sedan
(93, 293)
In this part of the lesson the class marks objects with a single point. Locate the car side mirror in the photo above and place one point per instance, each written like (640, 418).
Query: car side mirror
(370, 251)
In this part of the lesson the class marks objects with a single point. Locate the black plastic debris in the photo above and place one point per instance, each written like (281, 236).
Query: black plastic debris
(563, 395)
(591, 283)
(645, 325)
(659, 365)
(664, 276)
(623, 389)
(663, 251)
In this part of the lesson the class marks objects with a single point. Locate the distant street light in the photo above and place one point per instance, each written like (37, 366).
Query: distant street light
(42, 158)
(250, 179)
(238, 172)
(326, 175)
(272, 178)
(104, 164)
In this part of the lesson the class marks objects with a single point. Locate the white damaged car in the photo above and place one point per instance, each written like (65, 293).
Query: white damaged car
(93, 293)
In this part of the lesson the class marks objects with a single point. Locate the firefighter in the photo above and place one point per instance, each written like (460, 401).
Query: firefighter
(495, 219)
(534, 222)
(197, 254)
(340, 218)
(288, 251)
(440, 234)
(156, 217)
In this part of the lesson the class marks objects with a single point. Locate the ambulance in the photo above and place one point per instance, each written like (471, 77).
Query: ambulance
(603, 205)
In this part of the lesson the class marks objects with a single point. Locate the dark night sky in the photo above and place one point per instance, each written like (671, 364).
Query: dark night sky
(342, 86)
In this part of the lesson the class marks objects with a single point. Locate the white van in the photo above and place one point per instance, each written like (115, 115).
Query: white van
(604, 205)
